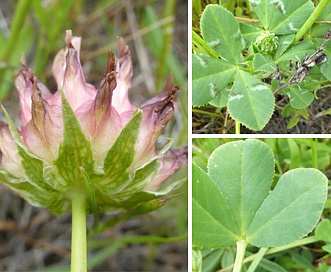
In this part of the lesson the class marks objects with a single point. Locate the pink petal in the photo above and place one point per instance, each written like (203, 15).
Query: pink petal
(124, 70)
(170, 162)
(24, 85)
(157, 112)
(59, 64)
(10, 159)
(43, 133)
(100, 121)
(70, 77)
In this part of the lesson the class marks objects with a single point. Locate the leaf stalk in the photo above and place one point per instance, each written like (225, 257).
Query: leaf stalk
(241, 249)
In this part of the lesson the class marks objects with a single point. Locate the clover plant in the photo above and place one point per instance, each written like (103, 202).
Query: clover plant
(236, 201)
(244, 64)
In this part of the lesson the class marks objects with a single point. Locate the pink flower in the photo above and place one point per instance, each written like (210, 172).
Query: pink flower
(83, 133)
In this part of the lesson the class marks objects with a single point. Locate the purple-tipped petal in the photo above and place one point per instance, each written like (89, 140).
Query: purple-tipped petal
(170, 162)
(24, 84)
(43, 133)
(59, 64)
(100, 120)
(70, 76)
(124, 72)
(156, 116)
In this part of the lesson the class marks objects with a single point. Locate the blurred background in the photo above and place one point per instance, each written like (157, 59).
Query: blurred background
(156, 33)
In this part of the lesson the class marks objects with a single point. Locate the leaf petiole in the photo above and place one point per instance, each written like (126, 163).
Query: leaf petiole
(241, 249)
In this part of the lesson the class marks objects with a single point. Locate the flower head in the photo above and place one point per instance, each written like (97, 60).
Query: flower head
(267, 43)
(86, 140)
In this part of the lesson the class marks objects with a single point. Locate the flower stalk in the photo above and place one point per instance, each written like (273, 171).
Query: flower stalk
(78, 238)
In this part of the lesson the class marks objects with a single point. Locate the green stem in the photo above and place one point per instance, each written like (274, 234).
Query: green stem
(312, 18)
(241, 249)
(257, 259)
(237, 127)
(304, 241)
(313, 145)
(198, 111)
(78, 240)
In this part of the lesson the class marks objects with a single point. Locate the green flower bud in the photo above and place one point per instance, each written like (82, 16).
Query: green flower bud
(267, 43)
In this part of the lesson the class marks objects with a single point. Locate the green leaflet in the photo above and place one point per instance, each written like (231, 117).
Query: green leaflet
(212, 219)
(210, 76)
(119, 158)
(282, 16)
(289, 149)
(221, 31)
(284, 43)
(297, 52)
(323, 230)
(325, 67)
(292, 208)
(300, 98)
(75, 151)
(251, 102)
(263, 64)
(327, 248)
(250, 33)
(246, 166)
(221, 100)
